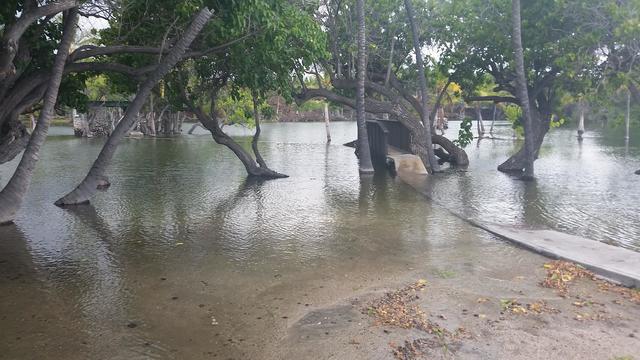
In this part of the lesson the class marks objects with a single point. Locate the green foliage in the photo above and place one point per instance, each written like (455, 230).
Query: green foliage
(560, 46)
(465, 136)
(235, 106)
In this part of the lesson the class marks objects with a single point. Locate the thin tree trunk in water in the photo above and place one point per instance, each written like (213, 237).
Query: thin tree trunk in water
(364, 152)
(256, 136)
(581, 122)
(480, 123)
(326, 121)
(521, 87)
(211, 123)
(88, 186)
(12, 195)
(431, 164)
(628, 117)
(493, 120)
(151, 122)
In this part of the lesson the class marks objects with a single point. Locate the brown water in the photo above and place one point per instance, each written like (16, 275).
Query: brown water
(183, 258)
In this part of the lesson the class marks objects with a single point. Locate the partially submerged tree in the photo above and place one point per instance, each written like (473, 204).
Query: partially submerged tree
(521, 89)
(432, 165)
(286, 41)
(390, 72)
(87, 188)
(13, 193)
(364, 153)
(559, 52)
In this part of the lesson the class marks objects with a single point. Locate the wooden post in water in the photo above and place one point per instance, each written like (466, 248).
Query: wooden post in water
(326, 121)
(628, 117)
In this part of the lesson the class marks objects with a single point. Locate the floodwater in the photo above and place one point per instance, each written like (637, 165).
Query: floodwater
(182, 258)
(583, 188)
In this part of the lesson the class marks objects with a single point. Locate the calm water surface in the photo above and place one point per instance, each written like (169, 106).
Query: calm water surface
(184, 258)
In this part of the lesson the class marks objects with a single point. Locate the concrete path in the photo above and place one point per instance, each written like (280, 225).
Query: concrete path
(611, 262)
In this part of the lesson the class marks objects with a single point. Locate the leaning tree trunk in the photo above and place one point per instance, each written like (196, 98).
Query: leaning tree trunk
(12, 195)
(364, 152)
(523, 95)
(430, 162)
(516, 162)
(95, 177)
(256, 136)
(212, 124)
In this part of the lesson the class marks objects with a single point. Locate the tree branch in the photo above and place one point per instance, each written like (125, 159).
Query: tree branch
(496, 99)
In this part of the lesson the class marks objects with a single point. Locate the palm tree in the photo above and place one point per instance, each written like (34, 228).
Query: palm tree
(364, 153)
(521, 87)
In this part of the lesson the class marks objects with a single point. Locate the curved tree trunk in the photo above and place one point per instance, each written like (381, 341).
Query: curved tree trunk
(479, 122)
(88, 186)
(256, 136)
(430, 162)
(12, 195)
(364, 152)
(530, 139)
(212, 124)
(517, 162)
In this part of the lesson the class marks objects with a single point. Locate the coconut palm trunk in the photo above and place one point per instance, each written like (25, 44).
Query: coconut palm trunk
(12, 196)
(364, 152)
(431, 163)
(521, 87)
(96, 177)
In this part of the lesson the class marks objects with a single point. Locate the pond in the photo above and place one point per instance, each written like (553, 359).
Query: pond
(184, 258)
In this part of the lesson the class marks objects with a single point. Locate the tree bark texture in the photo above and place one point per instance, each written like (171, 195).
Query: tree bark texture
(364, 153)
(530, 139)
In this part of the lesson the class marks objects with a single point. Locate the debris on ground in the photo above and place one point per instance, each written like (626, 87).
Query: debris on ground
(561, 273)
(396, 308)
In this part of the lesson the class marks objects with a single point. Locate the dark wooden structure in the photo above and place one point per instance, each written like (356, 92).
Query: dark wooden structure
(385, 137)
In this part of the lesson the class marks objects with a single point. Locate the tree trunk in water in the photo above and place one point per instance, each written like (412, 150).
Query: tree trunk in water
(517, 162)
(256, 136)
(581, 122)
(211, 123)
(523, 93)
(151, 121)
(326, 122)
(364, 152)
(12, 195)
(88, 186)
(480, 123)
(627, 117)
(430, 161)
(493, 120)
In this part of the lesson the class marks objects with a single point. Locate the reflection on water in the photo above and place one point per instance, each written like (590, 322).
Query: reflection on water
(181, 236)
(585, 188)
